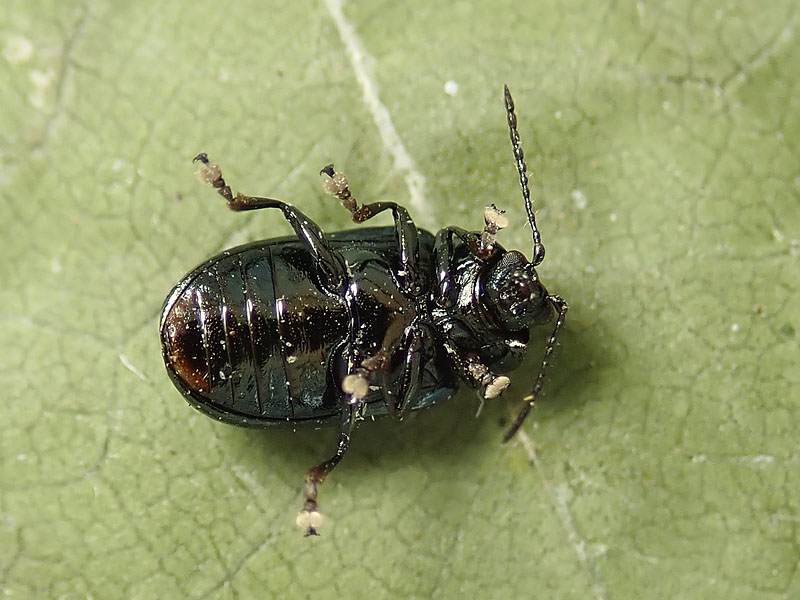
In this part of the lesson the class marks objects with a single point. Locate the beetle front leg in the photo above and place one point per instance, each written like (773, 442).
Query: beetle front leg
(489, 385)
(443, 259)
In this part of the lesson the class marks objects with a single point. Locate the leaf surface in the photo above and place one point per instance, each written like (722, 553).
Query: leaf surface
(662, 142)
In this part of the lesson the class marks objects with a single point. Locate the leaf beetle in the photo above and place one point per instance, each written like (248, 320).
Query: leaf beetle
(373, 321)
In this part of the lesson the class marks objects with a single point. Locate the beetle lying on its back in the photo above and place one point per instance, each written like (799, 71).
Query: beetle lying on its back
(374, 321)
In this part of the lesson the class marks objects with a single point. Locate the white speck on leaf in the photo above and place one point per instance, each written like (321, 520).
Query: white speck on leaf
(451, 88)
(579, 198)
(18, 50)
(41, 81)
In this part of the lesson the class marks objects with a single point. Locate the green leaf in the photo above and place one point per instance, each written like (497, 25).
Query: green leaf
(662, 461)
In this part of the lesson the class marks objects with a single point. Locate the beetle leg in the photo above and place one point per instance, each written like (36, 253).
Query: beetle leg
(443, 263)
(330, 264)
(407, 237)
(412, 347)
(489, 385)
(479, 244)
(561, 306)
(356, 387)
(309, 518)
(494, 220)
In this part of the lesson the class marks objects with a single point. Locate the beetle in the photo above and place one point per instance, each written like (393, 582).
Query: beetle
(373, 321)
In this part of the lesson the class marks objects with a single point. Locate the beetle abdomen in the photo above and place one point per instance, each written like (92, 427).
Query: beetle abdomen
(251, 337)
(242, 344)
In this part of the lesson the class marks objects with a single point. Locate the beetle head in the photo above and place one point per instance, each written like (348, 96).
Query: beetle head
(514, 294)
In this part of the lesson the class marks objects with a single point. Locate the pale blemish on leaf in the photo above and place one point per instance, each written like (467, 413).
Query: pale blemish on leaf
(18, 50)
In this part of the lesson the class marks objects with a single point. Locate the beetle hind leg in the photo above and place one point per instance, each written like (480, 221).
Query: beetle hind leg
(211, 174)
(329, 263)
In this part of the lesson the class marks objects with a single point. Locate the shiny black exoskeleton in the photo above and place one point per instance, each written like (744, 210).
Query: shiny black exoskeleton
(361, 322)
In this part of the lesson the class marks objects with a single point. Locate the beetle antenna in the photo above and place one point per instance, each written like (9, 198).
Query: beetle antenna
(519, 156)
(561, 306)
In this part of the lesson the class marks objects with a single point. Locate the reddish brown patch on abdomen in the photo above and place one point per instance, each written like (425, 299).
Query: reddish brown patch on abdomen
(182, 336)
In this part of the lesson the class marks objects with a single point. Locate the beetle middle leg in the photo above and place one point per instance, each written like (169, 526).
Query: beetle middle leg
(406, 231)
(330, 265)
